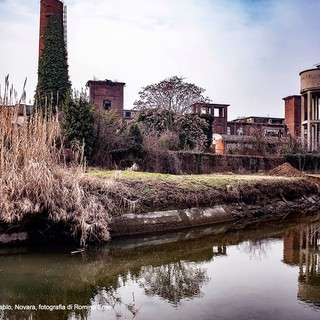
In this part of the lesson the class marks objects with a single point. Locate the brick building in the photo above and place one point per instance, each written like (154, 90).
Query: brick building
(218, 111)
(248, 126)
(229, 135)
(107, 95)
(302, 112)
(292, 107)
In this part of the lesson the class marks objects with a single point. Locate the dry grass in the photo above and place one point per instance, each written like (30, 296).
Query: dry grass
(34, 183)
(155, 192)
(188, 182)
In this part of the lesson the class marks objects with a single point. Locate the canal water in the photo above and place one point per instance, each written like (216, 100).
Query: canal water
(272, 272)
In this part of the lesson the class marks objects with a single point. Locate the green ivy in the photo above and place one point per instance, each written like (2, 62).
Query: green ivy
(53, 84)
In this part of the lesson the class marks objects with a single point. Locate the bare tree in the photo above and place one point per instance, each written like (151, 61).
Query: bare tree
(172, 93)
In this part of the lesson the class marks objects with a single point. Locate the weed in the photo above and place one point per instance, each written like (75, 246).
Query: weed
(34, 184)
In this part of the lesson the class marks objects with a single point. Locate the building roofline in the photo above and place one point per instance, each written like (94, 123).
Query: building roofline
(292, 96)
(308, 70)
(256, 117)
(105, 81)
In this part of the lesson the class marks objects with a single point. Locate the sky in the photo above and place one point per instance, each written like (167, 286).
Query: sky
(246, 53)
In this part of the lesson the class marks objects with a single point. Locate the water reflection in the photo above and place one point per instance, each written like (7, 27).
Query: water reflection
(173, 282)
(302, 248)
(116, 281)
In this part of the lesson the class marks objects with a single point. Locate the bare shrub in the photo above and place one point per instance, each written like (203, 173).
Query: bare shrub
(158, 158)
(169, 140)
(108, 138)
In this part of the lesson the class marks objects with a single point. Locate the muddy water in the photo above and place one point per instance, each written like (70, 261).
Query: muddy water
(208, 273)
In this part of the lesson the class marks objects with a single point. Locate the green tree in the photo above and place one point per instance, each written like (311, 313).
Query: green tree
(208, 128)
(53, 84)
(78, 123)
(135, 141)
(192, 130)
(173, 94)
(155, 121)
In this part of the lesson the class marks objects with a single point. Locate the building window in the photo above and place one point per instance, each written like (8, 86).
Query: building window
(127, 114)
(271, 132)
(228, 131)
(240, 131)
(216, 112)
(106, 105)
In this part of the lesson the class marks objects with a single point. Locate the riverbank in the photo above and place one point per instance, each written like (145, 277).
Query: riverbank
(166, 203)
(144, 203)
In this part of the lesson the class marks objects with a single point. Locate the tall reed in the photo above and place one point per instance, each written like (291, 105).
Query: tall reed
(33, 183)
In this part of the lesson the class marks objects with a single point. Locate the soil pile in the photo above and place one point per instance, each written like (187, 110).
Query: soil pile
(286, 170)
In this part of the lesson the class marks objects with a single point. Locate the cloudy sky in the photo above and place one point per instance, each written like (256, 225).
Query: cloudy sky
(246, 53)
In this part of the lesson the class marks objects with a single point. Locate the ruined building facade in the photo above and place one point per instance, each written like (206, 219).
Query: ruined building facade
(242, 133)
(301, 121)
(310, 105)
(106, 95)
(302, 112)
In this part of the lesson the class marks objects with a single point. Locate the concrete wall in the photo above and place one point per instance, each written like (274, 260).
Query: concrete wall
(197, 163)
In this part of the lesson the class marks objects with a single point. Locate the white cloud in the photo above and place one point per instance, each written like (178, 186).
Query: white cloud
(246, 53)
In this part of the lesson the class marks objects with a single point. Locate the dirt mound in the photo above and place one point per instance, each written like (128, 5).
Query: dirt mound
(286, 170)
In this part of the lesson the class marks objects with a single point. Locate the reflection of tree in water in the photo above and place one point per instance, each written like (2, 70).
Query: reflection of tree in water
(174, 281)
(255, 249)
(113, 299)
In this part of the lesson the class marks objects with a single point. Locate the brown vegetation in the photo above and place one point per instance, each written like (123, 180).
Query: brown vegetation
(38, 192)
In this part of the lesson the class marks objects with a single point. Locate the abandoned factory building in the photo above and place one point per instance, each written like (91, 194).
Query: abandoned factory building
(229, 136)
(301, 121)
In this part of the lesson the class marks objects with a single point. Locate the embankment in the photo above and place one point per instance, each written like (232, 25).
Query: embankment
(241, 204)
(145, 203)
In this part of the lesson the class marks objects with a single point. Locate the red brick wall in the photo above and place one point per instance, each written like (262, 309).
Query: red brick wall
(107, 90)
(47, 9)
(220, 119)
(293, 115)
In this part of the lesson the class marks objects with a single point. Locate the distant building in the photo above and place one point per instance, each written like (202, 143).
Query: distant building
(310, 105)
(107, 95)
(229, 135)
(269, 126)
(302, 112)
(247, 132)
(292, 109)
(219, 113)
